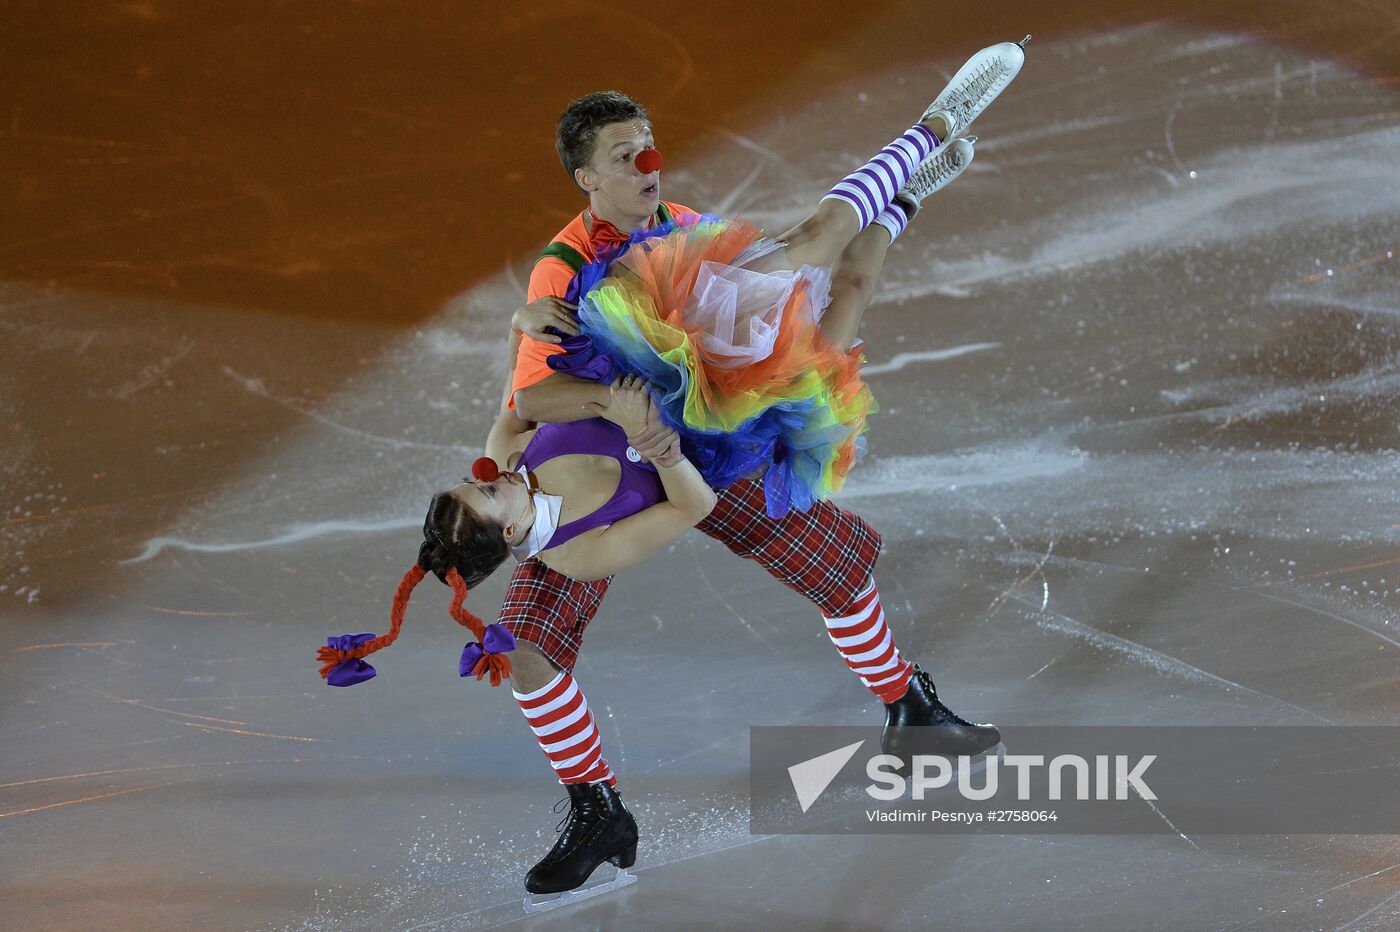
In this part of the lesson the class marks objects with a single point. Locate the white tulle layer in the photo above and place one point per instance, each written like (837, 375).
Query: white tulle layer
(739, 306)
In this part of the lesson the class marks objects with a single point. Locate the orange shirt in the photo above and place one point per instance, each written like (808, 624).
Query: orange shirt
(551, 276)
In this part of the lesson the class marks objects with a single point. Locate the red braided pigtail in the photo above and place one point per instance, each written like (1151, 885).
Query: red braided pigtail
(496, 664)
(331, 657)
(458, 611)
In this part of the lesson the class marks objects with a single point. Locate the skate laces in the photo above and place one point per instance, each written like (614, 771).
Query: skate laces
(985, 82)
(935, 171)
(558, 808)
(988, 76)
(984, 79)
(927, 682)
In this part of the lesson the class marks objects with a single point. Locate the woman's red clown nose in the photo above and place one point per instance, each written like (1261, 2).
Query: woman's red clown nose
(485, 470)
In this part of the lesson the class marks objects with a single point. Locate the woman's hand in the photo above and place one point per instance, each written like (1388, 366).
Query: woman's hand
(673, 454)
(629, 405)
(657, 443)
(549, 311)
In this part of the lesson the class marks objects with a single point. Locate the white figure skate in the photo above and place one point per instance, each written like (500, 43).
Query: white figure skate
(976, 85)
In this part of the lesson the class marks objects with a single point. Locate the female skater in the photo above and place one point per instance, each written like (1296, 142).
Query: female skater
(751, 373)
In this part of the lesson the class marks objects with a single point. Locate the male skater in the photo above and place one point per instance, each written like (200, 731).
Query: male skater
(827, 554)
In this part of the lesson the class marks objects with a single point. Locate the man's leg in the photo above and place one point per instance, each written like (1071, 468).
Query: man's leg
(566, 730)
(865, 642)
(547, 613)
(531, 668)
(828, 555)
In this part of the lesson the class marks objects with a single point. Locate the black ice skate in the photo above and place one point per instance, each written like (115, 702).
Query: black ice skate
(950, 735)
(598, 828)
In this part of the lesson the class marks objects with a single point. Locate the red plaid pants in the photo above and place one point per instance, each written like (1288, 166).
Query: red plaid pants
(824, 553)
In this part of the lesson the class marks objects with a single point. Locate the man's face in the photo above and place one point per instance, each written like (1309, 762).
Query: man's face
(611, 176)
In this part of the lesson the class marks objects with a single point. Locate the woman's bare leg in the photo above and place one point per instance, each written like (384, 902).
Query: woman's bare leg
(822, 237)
(853, 282)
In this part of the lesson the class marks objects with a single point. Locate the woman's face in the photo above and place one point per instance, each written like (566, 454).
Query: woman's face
(505, 501)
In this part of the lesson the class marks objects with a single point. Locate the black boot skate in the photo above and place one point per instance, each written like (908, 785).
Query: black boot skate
(951, 734)
(598, 828)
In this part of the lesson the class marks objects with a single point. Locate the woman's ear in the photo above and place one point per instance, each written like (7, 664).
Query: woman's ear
(584, 178)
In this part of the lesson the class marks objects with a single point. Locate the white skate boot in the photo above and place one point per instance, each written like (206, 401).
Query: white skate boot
(977, 84)
(946, 163)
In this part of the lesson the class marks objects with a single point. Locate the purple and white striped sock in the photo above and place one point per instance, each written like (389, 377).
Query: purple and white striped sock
(894, 219)
(870, 188)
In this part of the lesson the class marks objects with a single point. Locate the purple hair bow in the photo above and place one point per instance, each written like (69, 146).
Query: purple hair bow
(497, 640)
(349, 672)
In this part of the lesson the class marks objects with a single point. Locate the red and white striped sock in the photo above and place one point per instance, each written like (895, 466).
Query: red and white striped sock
(867, 646)
(564, 726)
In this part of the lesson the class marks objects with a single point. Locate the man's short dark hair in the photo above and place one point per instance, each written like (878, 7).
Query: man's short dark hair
(577, 129)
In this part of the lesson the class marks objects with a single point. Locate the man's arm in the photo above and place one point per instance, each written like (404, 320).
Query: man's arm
(510, 432)
(560, 398)
(539, 393)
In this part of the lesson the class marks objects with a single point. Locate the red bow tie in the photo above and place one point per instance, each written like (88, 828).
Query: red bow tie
(604, 235)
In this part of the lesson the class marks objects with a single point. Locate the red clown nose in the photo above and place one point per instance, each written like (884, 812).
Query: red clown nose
(647, 161)
(486, 470)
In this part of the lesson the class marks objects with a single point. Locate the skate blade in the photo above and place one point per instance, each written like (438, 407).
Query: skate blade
(979, 763)
(544, 902)
(976, 765)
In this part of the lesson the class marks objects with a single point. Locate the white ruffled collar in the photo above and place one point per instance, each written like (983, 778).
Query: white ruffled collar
(547, 509)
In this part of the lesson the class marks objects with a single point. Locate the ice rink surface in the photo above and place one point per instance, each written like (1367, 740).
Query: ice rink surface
(1136, 460)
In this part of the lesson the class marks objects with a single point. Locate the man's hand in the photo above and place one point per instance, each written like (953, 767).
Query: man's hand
(549, 311)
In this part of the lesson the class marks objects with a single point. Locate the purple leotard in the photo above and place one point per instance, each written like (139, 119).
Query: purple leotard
(638, 485)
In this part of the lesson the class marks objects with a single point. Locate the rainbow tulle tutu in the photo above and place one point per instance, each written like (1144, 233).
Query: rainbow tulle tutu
(707, 313)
